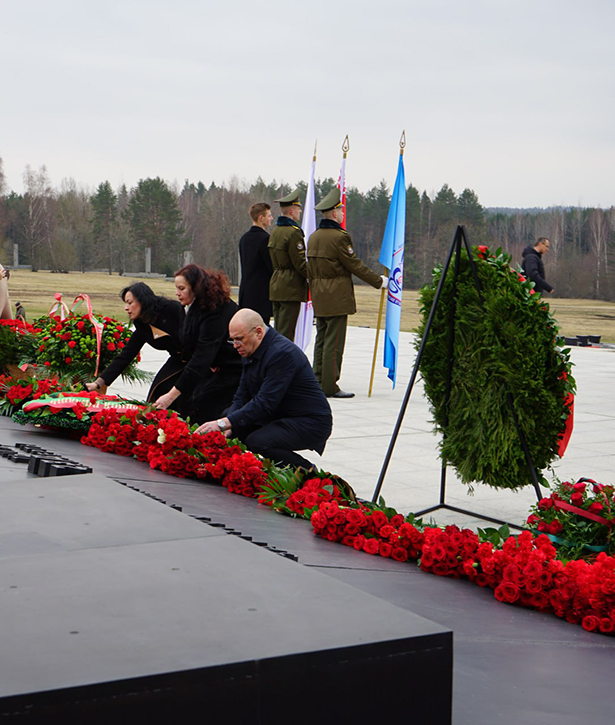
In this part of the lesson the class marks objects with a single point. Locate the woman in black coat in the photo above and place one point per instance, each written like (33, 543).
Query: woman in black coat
(210, 378)
(157, 322)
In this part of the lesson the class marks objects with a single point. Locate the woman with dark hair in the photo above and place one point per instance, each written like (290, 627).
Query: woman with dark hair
(157, 322)
(206, 387)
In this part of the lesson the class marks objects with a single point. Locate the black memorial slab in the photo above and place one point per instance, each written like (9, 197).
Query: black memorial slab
(115, 605)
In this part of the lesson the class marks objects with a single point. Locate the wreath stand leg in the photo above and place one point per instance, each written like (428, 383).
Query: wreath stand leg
(454, 250)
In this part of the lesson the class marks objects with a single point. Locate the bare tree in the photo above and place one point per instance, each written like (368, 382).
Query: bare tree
(598, 240)
(39, 222)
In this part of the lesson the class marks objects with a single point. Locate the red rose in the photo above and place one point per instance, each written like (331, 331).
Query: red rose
(590, 623)
(399, 554)
(371, 546)
(555, 527)
(576, 499)
(507, 592)
(545, 503)
(385, 549)
(111, 346)
(68, 360)
(596, 507)
(580, 486)
(72, 343)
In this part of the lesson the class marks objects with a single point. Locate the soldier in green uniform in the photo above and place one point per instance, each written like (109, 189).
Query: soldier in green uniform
(288, 285)
(331, 264)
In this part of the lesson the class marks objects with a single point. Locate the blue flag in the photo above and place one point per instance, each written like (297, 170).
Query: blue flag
(392, 257)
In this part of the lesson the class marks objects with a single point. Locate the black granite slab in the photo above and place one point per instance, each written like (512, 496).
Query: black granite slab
(114, 604)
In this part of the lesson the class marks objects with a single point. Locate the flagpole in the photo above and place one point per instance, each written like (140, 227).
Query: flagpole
(371, 377)
(402, 146)
(342, 180)
(305, 320)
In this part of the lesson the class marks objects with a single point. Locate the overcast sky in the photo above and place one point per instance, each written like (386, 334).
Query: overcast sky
(515, 100)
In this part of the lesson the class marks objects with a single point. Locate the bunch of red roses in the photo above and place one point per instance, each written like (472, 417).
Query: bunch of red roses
(368, 530)
(445, 551)
(577, 515)
(524, 571)
(313, 492)
(164, 441)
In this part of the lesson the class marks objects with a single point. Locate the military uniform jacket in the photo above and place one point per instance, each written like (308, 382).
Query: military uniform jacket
(287, 251)
(331, 264)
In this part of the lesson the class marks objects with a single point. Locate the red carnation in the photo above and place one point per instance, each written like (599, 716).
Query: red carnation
(111, 346)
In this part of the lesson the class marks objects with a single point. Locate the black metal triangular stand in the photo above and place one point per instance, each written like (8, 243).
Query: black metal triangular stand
(459, 239)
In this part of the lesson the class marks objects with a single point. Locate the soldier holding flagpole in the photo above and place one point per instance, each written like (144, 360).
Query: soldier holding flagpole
(331, 264)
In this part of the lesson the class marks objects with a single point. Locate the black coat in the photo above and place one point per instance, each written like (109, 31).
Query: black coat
(256, 270)
(162, 334)
(534, 269)
(278, 383)
(212, 365)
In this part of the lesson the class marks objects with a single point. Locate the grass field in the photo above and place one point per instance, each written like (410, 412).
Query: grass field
(35, 290)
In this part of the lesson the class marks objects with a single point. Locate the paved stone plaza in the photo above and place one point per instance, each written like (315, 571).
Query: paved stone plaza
(363, 427)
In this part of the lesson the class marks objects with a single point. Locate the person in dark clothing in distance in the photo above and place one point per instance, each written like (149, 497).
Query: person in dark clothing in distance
(157, 322)
(255, 261)
(533, 266)
(279, 407)
(206, 387)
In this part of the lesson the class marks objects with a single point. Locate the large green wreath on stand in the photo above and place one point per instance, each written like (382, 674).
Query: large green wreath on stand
(506, 350)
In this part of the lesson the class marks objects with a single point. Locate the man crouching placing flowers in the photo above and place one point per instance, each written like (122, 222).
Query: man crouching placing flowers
(279, 407)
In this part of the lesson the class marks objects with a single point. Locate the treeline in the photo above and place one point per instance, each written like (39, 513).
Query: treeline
(71, 228)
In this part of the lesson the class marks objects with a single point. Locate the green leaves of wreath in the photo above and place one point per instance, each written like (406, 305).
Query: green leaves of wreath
(506, 350)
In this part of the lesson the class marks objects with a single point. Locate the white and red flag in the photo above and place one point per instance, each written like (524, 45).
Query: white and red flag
(305, 321)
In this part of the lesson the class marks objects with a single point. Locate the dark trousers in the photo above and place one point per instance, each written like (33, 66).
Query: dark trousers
(285, 316)
(280, 439)
(329, 351)
(211, 397)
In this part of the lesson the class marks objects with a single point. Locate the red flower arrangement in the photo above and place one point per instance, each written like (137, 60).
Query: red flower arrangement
(17, 342)
(72, 342)
(577, 516)
(14, 392)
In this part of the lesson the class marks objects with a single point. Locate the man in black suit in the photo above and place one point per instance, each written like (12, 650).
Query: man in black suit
(255, 260)
(279, 407)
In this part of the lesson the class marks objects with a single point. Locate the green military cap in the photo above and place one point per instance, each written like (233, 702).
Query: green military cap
(291, 199)
(331, 201)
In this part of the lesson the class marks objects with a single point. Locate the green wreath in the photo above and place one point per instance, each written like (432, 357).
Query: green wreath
(505, 355)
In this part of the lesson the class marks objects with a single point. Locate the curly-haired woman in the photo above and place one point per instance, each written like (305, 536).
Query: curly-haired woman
(206, 387)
